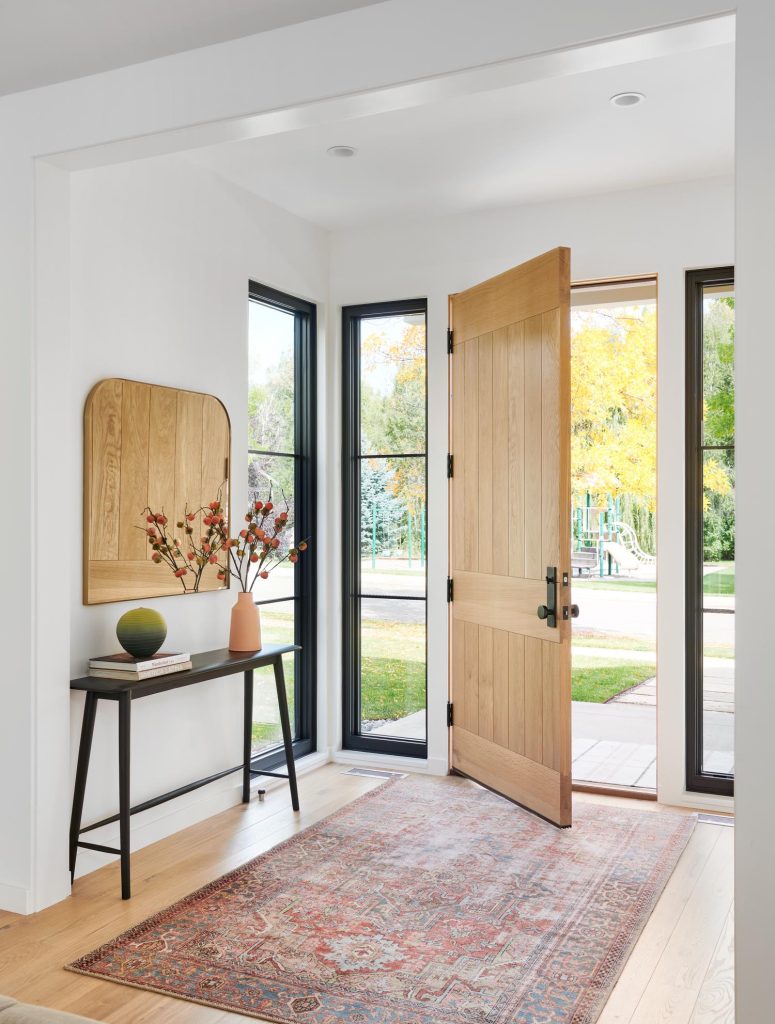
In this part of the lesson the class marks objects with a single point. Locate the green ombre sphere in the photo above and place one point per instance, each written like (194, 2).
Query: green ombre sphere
(141, 632)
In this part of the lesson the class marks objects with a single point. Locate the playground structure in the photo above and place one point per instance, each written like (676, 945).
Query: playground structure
(400, 537)
(602, 540)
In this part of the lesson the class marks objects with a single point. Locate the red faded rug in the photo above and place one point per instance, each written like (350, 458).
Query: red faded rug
(427, 901)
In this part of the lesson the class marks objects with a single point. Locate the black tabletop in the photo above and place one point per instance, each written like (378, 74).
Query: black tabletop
(208, 665)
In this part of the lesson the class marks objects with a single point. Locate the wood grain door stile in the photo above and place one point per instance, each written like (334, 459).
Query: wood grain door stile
(509, 504)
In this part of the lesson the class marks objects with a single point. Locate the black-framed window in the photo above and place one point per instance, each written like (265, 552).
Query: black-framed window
(384, 529)
(710, 530)
(281, 453)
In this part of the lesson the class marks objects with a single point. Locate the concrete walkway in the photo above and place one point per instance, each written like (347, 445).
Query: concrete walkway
(410, 727)
(616, 744)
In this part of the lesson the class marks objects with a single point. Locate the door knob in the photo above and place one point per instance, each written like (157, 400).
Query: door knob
(574, 611)
(548, 611)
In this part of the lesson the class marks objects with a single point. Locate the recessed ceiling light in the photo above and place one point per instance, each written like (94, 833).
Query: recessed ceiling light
(344, 151)
(627, 99)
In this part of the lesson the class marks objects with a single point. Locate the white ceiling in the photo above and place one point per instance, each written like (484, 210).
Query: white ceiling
(548, 139)
(47, 41)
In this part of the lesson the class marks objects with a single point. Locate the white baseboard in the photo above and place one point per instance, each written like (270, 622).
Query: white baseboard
(390, 762)
(699, 801)
(15, 899)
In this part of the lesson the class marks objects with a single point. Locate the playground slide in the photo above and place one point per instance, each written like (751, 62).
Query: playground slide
(624, 559)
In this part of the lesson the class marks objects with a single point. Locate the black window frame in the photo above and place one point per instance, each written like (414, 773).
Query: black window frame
(352, 738)
(697, 780)
(305, 500)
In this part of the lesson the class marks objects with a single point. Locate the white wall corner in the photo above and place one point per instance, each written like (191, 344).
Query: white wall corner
(15, 899)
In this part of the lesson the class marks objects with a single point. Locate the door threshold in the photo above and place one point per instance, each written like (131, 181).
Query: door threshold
(601, 789)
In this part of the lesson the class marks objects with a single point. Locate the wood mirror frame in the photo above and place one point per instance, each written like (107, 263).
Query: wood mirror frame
(146, 445)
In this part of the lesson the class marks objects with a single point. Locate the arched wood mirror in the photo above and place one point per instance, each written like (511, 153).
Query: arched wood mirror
(146, 445)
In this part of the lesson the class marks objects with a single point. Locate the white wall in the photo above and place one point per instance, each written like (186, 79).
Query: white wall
(277, 72)
(161, 255)
(755, 497)
(662, 230)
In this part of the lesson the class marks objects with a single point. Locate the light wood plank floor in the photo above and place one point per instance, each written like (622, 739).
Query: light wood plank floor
(679, 972)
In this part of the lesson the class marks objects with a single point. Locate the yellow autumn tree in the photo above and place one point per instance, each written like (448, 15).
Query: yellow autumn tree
(394, 420)
(614, 404)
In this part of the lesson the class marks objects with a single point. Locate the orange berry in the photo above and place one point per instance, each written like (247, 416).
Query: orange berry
(264, 575)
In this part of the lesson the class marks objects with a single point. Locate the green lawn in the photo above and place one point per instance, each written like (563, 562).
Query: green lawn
(619, 642)
(393, 669)
(721, 580)
(612, 641)
(609, 583)
(276, 628)
(596, 680)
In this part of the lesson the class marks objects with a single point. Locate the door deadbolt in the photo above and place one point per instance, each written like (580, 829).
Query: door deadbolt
(548, 611)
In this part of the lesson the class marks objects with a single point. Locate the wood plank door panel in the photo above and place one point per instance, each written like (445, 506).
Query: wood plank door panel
(510, 521)
(146, 445)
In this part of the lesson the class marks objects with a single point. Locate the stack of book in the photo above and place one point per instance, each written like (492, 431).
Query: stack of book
(124, 666)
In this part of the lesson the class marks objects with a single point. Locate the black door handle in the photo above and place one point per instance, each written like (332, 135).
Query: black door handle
(548, 611)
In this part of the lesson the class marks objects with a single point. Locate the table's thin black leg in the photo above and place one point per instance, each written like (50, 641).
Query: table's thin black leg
(247, 736)
(282, 699)
(81, 773)
(124, 740)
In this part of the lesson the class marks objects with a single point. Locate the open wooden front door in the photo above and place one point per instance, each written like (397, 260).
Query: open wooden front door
(510, 533)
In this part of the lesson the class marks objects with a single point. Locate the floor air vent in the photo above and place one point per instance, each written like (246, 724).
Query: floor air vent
(373, 773)
(717, 819)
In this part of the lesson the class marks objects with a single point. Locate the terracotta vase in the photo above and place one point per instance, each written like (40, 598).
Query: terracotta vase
(245, 632)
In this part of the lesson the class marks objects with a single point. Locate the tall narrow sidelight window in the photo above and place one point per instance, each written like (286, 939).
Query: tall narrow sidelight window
(385, 527)
(281, 455)
(710, 530)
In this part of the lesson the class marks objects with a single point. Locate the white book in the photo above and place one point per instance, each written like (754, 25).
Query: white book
(124, 662)
(151, 673)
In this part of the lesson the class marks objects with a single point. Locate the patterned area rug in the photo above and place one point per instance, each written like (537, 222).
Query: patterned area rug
(427, 901)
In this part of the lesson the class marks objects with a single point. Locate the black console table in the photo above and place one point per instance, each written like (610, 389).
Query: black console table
(211, 665)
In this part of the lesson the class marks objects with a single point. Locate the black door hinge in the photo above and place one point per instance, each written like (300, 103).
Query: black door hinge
(450, 340)
(450, 466)
(450, 721)
(450, 589)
